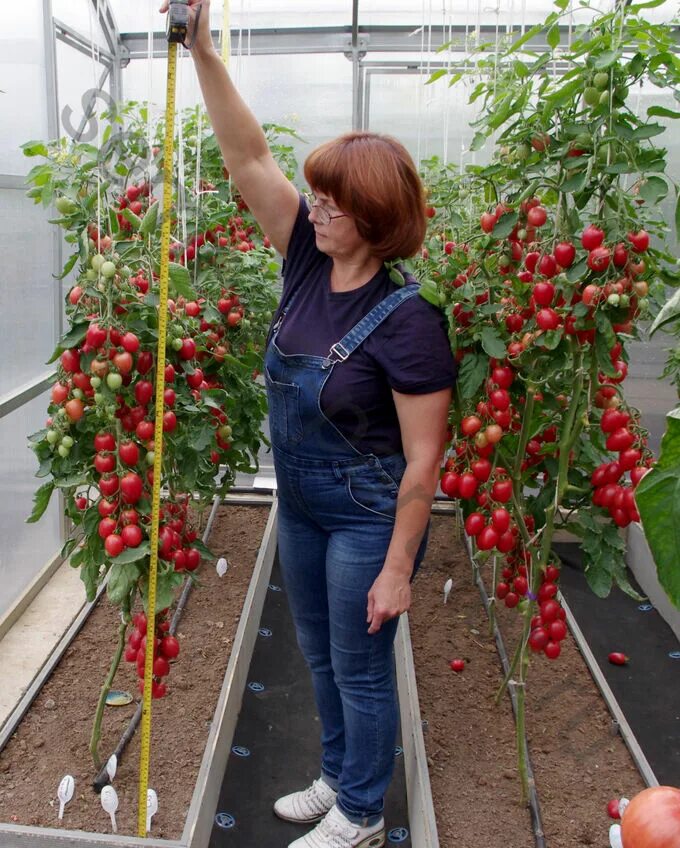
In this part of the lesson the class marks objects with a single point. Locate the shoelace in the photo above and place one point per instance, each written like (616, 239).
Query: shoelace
(340, 833)
(312, 798)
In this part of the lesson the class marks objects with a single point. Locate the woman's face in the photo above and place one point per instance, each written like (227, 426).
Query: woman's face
(337, 237)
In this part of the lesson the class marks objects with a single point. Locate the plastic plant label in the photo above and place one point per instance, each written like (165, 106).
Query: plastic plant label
(615, 836)
(447, 589)
(151, 807)
(109, 801)
(112, 766)
(65, 792)
(116, 698)
(222, 567)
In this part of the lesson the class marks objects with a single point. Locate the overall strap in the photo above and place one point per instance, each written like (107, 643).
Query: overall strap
(361, 331)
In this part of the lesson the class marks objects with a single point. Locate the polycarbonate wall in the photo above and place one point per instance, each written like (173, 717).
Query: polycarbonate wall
(27, 303)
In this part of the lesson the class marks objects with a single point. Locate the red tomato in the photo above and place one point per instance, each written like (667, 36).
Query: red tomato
(598, 259)
(592, 237)
(74, 409)
(474, 523)
(114, 545)
(544, 293)
(169, 647)
(487, 538)
(131, 487)
(470, 425)
(547, 319)
(104, 442)
(564, 254)
(131, 535)
(501, 491)
(639, 240)
(449, 484)
(457, 665)
(188, 349)
(487, 221)
(547, 265)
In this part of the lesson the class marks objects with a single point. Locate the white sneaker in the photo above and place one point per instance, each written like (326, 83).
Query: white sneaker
(337, 831)
(307, 806)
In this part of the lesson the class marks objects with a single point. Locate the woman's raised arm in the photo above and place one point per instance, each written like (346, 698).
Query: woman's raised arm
(272, 199)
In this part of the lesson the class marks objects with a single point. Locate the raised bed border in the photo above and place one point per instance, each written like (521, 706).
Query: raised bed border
(199, 823)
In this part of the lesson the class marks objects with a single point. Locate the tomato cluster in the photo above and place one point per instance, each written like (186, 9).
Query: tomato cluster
(166, 648)
(623, 436)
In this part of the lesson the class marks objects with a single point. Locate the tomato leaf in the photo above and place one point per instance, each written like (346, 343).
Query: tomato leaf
(123, 576)
(202, 549)
(505, 225)
(70, 339)
(130, 555)
(89, 574)
(70, 481)
(68, 267)
(647, 131)
(180, 279)
(472, 373)
(669, 312)
(134, 220)
(553, 37)
(658, 500)
(34, 148)
(41, 500)
(661, 112)
(654, 189)
(478, 141)
(606, 59)
(492, 343)
(575, 183)
(438, 74)
(150, 220)
(428, 291)
(166, 587)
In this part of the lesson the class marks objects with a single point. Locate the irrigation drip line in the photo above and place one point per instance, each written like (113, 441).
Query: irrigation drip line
(102, 778)
(534, 803)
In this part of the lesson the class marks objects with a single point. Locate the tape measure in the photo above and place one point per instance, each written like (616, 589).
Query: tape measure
(178, 19)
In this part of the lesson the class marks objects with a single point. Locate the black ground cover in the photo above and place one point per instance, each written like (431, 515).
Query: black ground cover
(648, 687)
(276, 743)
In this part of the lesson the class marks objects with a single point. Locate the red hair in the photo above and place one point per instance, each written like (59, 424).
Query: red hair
(373, 178)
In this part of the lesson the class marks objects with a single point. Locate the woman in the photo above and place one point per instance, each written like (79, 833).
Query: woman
(359, 375)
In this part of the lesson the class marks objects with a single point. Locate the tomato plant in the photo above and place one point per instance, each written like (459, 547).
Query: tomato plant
(97, 446)
(559, 249)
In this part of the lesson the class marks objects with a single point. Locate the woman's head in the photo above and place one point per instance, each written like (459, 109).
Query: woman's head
(373, 178)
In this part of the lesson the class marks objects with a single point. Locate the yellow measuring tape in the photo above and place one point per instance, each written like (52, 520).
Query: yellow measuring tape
(168, 153)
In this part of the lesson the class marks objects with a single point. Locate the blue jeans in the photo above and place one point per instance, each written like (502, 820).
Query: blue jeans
(335, 525)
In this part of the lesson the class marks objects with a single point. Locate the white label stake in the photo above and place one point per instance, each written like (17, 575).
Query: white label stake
(109, 799)
(151, 807)
(65, 792)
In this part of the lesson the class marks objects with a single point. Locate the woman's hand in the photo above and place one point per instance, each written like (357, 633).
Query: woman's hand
(203, 38)
(389, 596)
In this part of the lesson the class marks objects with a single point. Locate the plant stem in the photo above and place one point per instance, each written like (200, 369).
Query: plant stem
(106, 688)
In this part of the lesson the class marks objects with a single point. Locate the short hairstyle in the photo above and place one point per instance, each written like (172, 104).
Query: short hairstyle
(373, 178)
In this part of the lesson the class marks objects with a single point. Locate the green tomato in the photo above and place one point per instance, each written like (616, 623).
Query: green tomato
(98, 398)
(591, 96)
(643, 304)
(97, 261)
(150, 457)
(624, 300)
(95, 382)
(601, 80)
(614, 299)
(67, 442)
(52, 437)
(111, 409)
(78, 393)
(604, 98)
(176, 344)
(114, 381)
(225, 432)
(523, 152)
(65, 205)
(91, 275)
(63, 451)
(108, 269)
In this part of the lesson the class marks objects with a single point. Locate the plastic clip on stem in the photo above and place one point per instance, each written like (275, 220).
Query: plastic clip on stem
(178, 19)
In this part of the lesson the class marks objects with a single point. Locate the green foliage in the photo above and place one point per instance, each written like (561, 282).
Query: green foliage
(658, 499)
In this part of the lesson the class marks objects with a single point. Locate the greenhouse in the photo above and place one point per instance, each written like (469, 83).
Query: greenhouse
(346, 375)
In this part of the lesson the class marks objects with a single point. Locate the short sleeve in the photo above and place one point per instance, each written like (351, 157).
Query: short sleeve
(415, 352)
(302, 254)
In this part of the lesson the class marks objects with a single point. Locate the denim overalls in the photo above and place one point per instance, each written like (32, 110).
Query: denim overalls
(336, 516)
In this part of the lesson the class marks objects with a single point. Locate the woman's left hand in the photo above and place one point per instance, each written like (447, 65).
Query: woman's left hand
(389, 596)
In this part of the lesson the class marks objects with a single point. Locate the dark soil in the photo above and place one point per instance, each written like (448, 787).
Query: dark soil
(579, 763)
(53, 738)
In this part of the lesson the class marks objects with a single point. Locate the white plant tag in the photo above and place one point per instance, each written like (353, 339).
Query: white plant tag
(112, 766)
(151, 807)
(222, 566)
(447, 589)
(65, 792)
(109, 800)
(615, 836)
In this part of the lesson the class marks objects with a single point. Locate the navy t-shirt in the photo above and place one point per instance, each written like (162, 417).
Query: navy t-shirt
(409, 352)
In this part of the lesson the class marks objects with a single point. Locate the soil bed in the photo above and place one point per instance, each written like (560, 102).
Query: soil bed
(579, 765)
(53, 738)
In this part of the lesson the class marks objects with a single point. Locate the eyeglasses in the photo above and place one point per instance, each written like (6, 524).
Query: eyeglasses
(323, 215)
